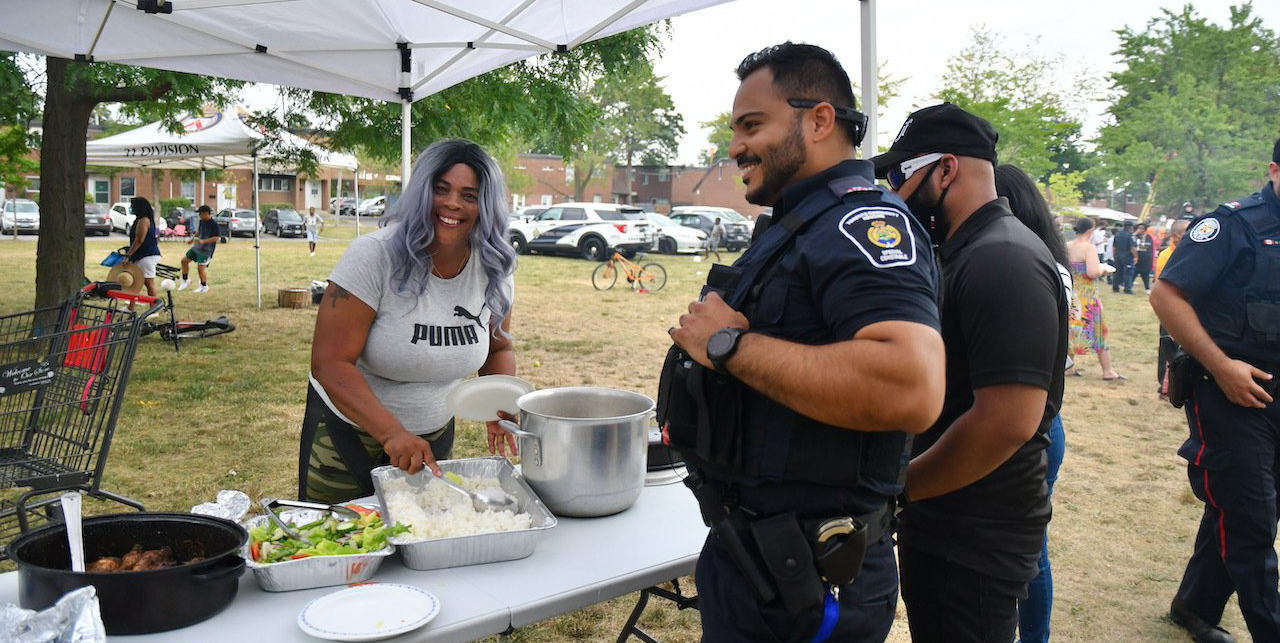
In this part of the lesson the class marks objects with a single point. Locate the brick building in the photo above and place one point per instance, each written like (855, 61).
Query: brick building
(662, 187)
(546, 180)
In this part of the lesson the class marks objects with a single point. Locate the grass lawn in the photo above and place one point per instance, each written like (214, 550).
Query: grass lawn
(225, 413)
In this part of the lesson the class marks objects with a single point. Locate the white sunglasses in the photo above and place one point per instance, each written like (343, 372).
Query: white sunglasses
(899, 174)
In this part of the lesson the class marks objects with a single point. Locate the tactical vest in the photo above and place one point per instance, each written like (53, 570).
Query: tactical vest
(1243, 318)
(732, 431)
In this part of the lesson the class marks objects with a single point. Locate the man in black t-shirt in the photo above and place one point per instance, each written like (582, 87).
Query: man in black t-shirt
(976, 501)
(1125, 257)
(203, 244)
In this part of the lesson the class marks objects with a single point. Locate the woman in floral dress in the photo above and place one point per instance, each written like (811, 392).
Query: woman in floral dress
(1088, 330)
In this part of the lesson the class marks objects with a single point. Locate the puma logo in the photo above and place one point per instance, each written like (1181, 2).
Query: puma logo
(459, 311)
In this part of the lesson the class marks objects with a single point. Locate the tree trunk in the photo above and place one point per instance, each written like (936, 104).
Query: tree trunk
(60, 248)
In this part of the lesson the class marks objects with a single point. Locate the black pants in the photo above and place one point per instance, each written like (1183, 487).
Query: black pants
(732, 614)
(949, 603)
(1232, 462)
(1142, 268)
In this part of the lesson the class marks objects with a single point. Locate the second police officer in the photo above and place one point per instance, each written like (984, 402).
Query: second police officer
(1219, 298)
(796, 379)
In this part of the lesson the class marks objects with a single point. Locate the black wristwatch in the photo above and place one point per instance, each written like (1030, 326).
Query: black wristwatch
(722, 345)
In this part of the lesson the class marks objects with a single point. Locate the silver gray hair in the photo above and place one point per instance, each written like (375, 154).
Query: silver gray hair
(416, 231)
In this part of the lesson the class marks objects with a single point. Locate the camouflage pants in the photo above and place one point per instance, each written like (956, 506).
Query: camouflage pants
(335, 471)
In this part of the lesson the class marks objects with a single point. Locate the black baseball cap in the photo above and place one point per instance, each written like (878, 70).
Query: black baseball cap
(204, 208)
(941, 128)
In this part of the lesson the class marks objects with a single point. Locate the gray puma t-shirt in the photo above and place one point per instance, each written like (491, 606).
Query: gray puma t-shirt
(419, 346)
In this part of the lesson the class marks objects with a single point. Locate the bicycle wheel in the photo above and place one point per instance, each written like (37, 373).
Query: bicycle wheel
(199, 331)
(604, 276)
(652, 277)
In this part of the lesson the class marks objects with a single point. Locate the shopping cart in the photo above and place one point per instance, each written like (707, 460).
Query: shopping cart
(63, 371)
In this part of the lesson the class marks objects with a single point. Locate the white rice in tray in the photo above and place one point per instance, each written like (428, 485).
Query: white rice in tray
(435, 511)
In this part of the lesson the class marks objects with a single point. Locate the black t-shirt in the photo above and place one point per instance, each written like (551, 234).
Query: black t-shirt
(1123, 242)
(853, 266)
(208, 229)
(1003, 322)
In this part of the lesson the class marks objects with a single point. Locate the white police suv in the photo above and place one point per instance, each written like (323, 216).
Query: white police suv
(592, 230)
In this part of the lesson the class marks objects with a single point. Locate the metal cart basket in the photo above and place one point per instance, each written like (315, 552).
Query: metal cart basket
(63, 371)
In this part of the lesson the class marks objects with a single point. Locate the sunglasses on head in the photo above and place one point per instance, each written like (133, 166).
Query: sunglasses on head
(898, 174)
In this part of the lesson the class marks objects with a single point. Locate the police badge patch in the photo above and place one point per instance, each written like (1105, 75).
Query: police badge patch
(1206, 230)
(882, 234)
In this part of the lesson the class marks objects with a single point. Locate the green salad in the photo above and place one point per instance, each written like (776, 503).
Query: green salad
(269, 544)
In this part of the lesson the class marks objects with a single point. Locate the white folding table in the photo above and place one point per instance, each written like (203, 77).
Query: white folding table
(580, 562)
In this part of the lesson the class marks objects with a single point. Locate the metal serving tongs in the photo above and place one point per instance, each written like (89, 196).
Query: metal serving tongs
(270, 509)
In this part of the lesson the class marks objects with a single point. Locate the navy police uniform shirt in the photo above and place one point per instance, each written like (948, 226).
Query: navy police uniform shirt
(861, 262)
(1003, 322)
(1216, 249)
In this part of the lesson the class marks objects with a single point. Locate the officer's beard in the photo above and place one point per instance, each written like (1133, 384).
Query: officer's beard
(775, 170)
(932, 215)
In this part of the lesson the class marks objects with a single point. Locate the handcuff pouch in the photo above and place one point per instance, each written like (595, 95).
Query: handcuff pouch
(789, 558)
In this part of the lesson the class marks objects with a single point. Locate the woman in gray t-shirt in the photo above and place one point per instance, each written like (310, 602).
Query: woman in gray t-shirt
(398, 328)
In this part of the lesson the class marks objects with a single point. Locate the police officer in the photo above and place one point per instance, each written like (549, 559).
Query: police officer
(797, 378)
(1219, 297)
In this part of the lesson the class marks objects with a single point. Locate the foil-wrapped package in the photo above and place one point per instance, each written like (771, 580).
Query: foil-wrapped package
(75, 618)
(231, 504)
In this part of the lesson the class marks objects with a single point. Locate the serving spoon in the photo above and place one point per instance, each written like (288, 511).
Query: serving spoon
(484, 499)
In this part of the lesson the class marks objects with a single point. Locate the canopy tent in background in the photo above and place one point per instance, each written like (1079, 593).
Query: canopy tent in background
(392, 50)
(1106, 213)
(219, 139)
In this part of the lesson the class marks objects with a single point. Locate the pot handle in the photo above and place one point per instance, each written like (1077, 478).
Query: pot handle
(535, 452)
(232, 567)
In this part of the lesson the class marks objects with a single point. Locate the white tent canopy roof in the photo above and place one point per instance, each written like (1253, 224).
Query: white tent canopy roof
(1106, 213)
(349, 47)
(219, 138)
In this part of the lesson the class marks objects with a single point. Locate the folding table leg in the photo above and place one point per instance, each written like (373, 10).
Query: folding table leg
(682, 602)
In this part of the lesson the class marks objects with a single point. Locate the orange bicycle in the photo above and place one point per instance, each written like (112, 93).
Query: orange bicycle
(646, 278)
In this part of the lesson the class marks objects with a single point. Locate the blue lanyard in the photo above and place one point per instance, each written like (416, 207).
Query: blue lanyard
(830, 613)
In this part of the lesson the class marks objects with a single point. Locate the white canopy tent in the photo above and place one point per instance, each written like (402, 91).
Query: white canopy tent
(392, 50)
(219, 138)
(1106, 213)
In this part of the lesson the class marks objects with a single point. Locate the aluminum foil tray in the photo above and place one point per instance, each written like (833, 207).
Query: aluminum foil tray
(456, 551)
(312, 571)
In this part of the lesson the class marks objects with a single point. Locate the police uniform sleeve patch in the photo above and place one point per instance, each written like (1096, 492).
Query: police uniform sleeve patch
(1206, 230)
(883, 234)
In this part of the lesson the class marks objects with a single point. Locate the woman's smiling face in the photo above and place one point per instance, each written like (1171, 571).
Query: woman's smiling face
(455, 204)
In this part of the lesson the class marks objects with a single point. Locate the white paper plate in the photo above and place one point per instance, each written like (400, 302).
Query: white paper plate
(1106, 267)
(368, 612)
(481, 398)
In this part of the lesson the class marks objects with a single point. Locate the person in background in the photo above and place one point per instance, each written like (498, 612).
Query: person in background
(1164, 348)
(1125, 255)
(1088, 327)
(1220, 299)
(203, 241)
(976, 504)
(1109, 258)
(314, 225)
(1028, 205)
(144, 250)
(410, 311)
(714, 239)
(1099, 240)
(1178, 229)
(1144, 244)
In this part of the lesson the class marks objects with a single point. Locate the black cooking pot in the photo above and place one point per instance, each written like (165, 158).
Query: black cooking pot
(154, 600)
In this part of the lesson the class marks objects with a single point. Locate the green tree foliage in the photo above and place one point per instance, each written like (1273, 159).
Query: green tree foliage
(638, 121)
(1196, 107)
(1020, 94)
(719, 138)
(19, 107)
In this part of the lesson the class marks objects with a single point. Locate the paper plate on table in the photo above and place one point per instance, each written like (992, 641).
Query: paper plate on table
(481, 398)
(368, 612)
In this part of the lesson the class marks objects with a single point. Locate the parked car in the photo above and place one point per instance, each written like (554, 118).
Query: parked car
(587, 229)
(234, 221)
(348, 205)
(22, 215)
(527, 212)
(673, 237)
(122, 217)
(96, 219)
(737, 229)
(373, 206)
(283, 222)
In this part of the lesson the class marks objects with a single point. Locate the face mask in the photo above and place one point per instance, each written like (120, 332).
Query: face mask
(931, 215)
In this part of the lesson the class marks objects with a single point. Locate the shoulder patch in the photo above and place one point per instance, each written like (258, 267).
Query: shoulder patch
(883, 234)
(1206, 230)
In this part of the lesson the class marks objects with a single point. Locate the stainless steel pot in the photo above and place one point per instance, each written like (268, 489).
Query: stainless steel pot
(583, 448)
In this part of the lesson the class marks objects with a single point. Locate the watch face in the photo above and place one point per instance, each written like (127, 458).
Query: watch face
(719, 343)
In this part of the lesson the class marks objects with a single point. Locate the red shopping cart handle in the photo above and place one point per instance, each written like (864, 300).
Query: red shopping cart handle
(111, 289)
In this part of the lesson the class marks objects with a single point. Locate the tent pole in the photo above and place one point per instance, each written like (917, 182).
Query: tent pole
(870, 79)
(406, 126)
(201, 200)
(257, 232)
